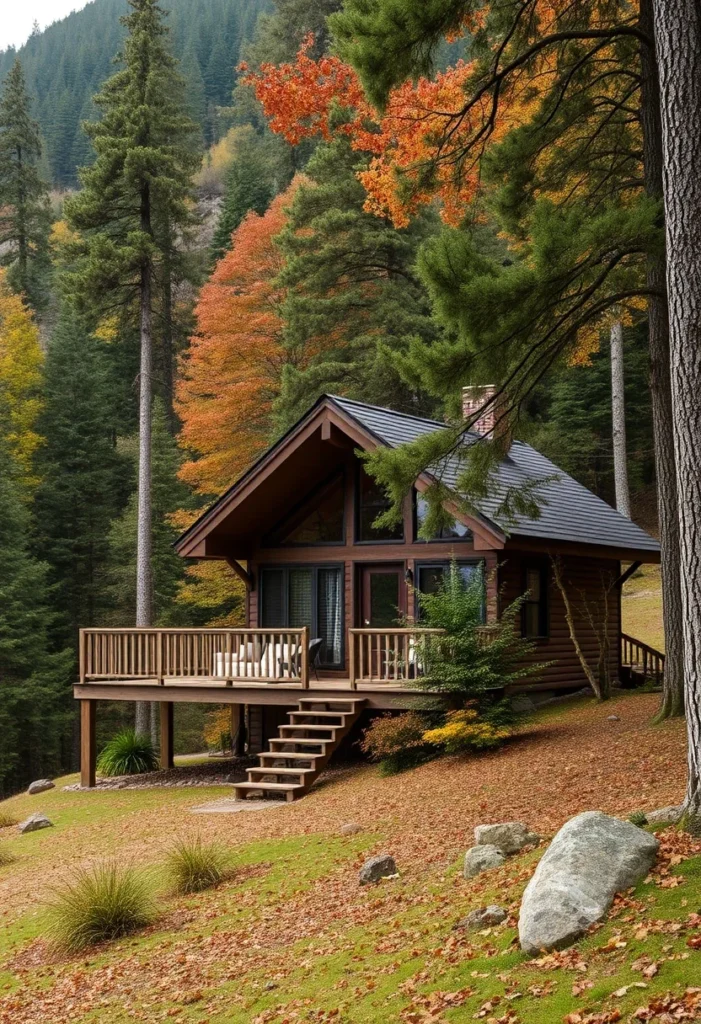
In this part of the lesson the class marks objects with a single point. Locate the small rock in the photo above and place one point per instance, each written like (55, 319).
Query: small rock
(375, 868)
(508, 836)
(351, 828)
(590, 859)
(485, 917)
(40, 786)
(613, 718)
(269, 986)
(665, 816)
(34, 823)
(482, 858)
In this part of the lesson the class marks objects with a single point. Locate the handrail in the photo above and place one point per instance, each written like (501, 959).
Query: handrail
(388, 657)
(635, 652)
(221, 656)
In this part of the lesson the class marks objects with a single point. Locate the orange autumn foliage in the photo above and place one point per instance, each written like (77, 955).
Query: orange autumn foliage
(230, 375)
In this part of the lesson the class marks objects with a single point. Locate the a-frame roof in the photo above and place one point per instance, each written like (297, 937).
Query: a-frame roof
(569, 513)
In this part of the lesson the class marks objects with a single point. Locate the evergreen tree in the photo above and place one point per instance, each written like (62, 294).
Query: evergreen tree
(35, 693)
(353, 298)
(24, 216)
(134, 203)
(83, 479)
(248, 187)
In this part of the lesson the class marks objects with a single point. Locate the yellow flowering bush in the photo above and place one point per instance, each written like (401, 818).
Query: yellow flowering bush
(465, 730)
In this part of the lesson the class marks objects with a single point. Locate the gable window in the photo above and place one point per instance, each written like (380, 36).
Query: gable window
(309, 596)
(534, 614)
(458, 531)
(429, 576)
(372, 502)
(319, 519)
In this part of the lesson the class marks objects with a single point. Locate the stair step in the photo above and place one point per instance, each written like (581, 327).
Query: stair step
(319, 714)
(301, 741)
(282, 787)
(290, 754)
(307, 726)
(332, 700)
(281, 771)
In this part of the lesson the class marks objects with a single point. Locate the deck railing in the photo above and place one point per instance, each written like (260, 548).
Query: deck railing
(388, 657)
(637, 655)
(217, 656)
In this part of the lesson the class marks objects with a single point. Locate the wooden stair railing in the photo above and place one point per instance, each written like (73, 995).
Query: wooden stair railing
(642, 659)
(302, 749)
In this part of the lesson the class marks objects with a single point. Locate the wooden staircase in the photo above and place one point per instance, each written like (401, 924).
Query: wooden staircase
(302, 749)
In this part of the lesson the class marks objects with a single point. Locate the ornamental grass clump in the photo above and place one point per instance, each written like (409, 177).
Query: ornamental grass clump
(6, 820)
(195, 866)
(6, 857)
(128, 753)
(99, 904)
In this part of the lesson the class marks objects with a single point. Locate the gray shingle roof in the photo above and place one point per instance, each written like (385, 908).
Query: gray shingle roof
(568, 511)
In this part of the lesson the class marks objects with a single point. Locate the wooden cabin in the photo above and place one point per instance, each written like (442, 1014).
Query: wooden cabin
(326, 590)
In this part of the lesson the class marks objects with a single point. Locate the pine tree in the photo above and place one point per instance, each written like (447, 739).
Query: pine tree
(141, 179)
(248, 187)
(24, 210)
(82, 475)
(353, 296)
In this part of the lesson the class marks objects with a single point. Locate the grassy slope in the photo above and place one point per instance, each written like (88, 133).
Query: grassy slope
(641, 607)
(292, 937)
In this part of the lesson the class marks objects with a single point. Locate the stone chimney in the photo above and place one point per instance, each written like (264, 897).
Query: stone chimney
(473, 398)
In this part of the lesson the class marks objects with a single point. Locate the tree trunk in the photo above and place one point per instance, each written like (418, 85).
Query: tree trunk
(660, 386)
(678, 38)
(144, 609)
(618, 418)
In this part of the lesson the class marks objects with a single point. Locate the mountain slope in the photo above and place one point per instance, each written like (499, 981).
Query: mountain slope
(66, 64)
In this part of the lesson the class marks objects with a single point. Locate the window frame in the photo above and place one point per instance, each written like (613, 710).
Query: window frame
(356, 516)
(315, 568)
(469, 539)
(543, 604)
(302, 509)
(445, 563)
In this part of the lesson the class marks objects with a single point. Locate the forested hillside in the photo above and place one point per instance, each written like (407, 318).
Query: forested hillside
(66, 64)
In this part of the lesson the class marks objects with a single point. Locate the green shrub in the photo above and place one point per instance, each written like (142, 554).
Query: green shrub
(397, 741)
(101, 903)
(195, 865)
(6, 820)
(638, 818)
(6, 857)
(128, 753)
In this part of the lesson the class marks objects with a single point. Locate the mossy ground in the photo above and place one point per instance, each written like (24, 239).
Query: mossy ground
(290, 936)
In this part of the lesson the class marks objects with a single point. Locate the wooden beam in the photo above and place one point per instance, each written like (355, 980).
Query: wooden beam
(167, 735)
(238, 730)
(240, 572)
(625, 576)
(87, 744)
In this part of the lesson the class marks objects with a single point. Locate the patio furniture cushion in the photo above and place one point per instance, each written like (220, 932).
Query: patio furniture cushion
(241, 663)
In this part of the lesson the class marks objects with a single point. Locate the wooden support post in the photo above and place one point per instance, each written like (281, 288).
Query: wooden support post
(87, 743)
(166, 734)
(238, 730)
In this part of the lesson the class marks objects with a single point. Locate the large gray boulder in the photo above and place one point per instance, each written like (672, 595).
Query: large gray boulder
(481, 858)
(40, 786)
(590, 859)
(507, 836)
(34, 823)
(375, 868)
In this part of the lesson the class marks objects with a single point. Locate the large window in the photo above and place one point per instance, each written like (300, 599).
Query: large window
(458, 531)
(429, 576)
(372, 502)
(534, 614)
(306, 596)
(318, 520)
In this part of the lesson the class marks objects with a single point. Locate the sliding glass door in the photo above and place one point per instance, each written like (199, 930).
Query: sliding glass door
(309, 596)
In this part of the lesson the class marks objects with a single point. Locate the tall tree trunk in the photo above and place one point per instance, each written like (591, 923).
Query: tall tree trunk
(144, 611)
(618, 418)
(660, 385)
(678, 38)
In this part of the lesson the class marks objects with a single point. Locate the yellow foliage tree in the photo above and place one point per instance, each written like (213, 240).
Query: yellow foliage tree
(21, 361)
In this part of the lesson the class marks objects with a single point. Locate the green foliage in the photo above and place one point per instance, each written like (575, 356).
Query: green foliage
(353, 298)
(83, 476)
(638, 818)
(24, 206)
(128, 753)
(99, 904)
(195, 866)
(248, 187)
(69, 61)
(397, 741)
(168, 495)
(469, 662)
(6, 857)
